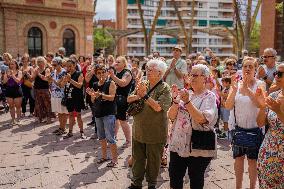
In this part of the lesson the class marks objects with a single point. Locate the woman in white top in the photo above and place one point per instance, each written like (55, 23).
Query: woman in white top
(244, 109)
(192, 139)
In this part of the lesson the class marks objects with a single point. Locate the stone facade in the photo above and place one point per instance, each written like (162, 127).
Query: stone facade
(17, 17)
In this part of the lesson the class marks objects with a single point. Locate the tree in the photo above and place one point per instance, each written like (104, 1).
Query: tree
(103, 39)
(254, 38)
(244, 27)
(148, 35)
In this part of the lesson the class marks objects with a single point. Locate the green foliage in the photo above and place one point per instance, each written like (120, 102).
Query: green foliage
(279, 7)
(102, 39)
(255, 38)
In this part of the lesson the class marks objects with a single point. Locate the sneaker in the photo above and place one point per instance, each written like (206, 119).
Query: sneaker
(61, 132)
(91, 123)
(56, 131)
(82, 135)
(69, 135)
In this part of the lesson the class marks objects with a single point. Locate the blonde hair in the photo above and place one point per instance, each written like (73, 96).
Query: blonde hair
(8, 55)
(248, 58)
(123, 59)
(40, 59)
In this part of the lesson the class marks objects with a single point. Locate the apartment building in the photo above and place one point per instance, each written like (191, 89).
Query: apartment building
(207, 14)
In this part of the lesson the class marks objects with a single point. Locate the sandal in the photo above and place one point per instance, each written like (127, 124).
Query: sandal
(102, 160)
(112, 164)
(164, 161)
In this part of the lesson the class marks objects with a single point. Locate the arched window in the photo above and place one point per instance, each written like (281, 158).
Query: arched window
(69, 42)
(35, 42)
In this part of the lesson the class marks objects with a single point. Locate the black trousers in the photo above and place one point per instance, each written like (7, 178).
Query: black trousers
(27, 96)
(196, 168)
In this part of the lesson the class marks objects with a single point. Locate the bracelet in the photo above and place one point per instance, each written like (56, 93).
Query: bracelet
(175, 102)
(265, 77)
(146, 97)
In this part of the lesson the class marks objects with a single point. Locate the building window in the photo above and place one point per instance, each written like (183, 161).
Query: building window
(69, 42)
(35, 42)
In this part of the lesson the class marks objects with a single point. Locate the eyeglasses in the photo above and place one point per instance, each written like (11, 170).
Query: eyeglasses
(267, 56)
(195, 75)
(150, 70)
(278, 74)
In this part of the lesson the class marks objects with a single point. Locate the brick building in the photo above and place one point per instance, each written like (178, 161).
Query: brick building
(271, 27)
(105, 24)
(41, 26)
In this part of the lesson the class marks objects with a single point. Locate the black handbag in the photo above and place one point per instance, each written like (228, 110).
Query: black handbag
(248, 138)
(137, 106)
(202, 140)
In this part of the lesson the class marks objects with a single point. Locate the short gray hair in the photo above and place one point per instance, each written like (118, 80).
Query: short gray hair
(203, 68)
(273, 51)
(159, 64)
(62, 49)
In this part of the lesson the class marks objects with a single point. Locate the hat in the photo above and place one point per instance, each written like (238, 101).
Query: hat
(178, 47)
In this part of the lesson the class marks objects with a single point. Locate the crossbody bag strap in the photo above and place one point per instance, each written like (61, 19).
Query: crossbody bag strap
(151, 90)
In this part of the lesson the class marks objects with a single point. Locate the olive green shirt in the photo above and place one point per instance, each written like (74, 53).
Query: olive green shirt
(150, 126)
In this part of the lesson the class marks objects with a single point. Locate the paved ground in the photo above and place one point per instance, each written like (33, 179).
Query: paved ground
(32, 157)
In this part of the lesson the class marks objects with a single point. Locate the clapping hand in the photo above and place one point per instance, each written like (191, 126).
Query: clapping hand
(173, 64)
(184, 95)
(174, 91)
(260, 97)
(273, 105)
(141, 89)
(111, 72)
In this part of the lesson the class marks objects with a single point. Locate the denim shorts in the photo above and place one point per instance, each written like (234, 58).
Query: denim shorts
(106, 128)
(225, 114)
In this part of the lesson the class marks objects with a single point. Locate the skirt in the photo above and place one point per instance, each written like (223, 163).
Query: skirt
(42, 103)
(57, 107)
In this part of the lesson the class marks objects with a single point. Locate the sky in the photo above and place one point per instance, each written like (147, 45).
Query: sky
(105, 9)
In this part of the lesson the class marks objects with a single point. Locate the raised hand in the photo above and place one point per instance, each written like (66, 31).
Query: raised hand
(141, 89)
(273, 104)
(174, 91)
(260, 97)
(184, 95)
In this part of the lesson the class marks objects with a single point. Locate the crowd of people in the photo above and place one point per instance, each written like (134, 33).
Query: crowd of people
(179, 106)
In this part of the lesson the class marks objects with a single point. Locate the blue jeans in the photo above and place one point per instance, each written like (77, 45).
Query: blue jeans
(106, 128)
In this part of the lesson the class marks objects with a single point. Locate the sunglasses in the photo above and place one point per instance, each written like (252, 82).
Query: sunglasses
(195, 75)
(267, 56)
(230, 63)
(278, 74)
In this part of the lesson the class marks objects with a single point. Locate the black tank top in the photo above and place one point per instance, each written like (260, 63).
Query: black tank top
(39, 83)
(124, 91)
(104, 107)
(72, 91)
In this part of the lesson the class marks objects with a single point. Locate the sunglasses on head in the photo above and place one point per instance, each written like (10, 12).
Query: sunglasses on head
(278, 74)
